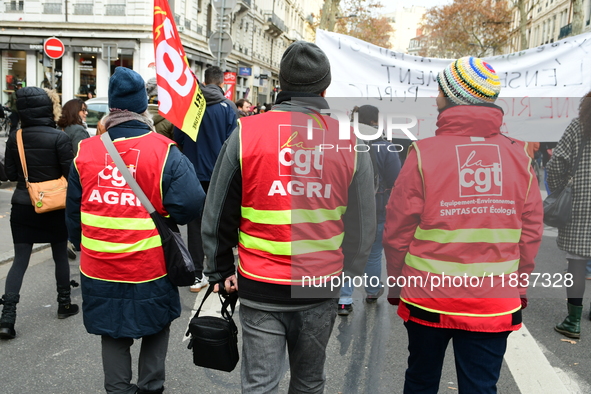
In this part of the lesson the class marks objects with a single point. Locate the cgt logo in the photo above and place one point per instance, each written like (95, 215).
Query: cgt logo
(110, 175)
(298, 155)
(480, 170)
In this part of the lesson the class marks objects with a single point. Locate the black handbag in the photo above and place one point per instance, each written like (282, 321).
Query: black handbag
(214, 340)
(558, 206)
(179, 265)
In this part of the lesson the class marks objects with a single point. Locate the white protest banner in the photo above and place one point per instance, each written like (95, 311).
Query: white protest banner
(540, 93)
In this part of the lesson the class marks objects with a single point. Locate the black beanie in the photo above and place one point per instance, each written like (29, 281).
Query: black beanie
(127, 91)
(304, 68)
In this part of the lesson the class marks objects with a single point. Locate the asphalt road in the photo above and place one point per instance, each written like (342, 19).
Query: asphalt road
(366, 354)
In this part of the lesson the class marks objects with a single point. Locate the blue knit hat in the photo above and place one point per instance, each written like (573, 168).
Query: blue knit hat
(127, 91)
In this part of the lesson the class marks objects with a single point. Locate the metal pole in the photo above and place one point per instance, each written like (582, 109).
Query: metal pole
(109, 59)
(53, 73)
(221, 33)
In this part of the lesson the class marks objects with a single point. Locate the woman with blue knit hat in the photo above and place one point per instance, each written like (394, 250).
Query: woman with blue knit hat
(463, 226)
(126, 292)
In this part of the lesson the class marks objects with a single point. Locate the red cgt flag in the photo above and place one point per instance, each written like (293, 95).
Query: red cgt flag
(179, 97)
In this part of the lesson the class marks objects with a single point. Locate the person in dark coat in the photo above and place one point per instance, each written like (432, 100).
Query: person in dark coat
(125, 289)
(218, 122)
(48, 152)
(73, 122)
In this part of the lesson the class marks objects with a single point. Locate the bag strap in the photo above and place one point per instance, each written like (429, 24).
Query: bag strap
(21, 153)
(228, 300)
(125, 172)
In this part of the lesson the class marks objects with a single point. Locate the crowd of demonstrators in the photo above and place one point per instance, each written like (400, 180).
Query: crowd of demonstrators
(161, 125)
(73, 122)
(48, 153)
(386, 166)
(120, 302)
(219, 121)
(335, 212)
(574, 238)
(421, 241)
(241, 196)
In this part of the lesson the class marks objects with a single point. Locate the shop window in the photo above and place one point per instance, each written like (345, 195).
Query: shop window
(85, 75)
(47, 76)
(14, 70)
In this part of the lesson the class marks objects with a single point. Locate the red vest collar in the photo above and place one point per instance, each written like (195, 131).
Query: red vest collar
(470, 120)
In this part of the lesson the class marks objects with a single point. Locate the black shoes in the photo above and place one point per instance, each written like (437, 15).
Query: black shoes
(345, 309)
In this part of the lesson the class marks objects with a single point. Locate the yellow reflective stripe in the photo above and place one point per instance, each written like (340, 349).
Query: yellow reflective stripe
(469, 235)
(121, 281)
(292, 248)
(293, 216)
(117, 223)
(462, 314)
(458, 269)
(286, 280)
(114, 247)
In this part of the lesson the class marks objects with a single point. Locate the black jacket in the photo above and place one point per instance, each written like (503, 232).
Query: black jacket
(48, 151)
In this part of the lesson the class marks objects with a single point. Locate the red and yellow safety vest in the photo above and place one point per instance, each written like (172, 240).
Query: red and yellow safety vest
(120, 242)
(467, 243)
(294, 194)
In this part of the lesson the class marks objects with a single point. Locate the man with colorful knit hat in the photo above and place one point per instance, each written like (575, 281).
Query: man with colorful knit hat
(464, 239)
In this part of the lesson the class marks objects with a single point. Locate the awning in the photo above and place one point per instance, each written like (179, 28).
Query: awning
(26, 43)
(84, 45)
(4, 40)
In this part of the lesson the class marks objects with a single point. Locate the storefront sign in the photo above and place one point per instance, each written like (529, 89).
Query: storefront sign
(176, 82)
(245, 71)
(230, 82)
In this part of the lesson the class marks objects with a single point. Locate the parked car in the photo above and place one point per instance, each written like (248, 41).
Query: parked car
(97, 108)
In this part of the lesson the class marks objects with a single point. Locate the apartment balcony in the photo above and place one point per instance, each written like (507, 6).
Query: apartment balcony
(565, 31)
(275, 25)
(52, 8)
(245, 5)
(83, 9)
(115, 9)
(15, 6)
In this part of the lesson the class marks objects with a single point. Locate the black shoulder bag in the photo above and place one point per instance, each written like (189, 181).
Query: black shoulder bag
(179, 265)
(214, 340)
(558, 206)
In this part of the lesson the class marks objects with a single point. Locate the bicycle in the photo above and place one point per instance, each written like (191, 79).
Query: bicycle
(5, 122)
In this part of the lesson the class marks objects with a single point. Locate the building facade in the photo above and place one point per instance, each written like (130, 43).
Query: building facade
(100, 35)
(547, 21)
(406, 22)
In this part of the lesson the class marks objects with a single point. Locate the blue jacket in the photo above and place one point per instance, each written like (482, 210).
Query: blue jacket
(217, 124)
(128, 310)
(387, 164)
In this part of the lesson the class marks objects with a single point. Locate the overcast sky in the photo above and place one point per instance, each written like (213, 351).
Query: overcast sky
(390, 5)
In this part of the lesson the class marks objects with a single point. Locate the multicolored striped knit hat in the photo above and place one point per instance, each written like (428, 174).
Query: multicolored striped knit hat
(468, 81)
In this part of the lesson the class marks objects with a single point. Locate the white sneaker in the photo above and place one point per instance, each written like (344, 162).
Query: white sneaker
(199, 284)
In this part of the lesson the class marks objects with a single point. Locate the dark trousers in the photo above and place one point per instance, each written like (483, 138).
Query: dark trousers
(117, 363)
(478, 356)
(195, 243)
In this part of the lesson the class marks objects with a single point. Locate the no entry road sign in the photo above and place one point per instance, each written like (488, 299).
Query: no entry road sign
(54, 48)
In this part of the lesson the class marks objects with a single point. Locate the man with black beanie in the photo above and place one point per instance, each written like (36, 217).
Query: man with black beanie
(305, 213)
